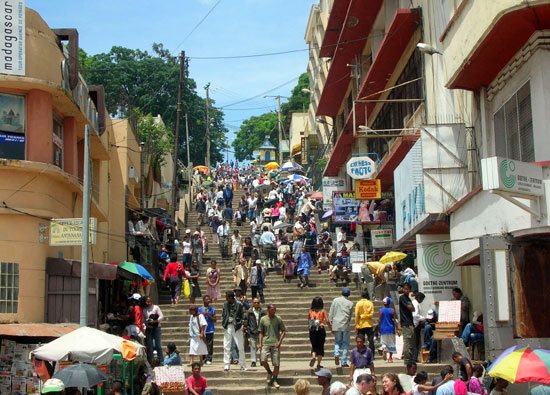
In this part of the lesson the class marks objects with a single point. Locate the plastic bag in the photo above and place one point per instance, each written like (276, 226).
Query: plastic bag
(186, 288)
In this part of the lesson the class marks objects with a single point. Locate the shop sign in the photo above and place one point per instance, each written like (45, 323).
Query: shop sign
(331, 184)
(68, 231)
(368, 189)
(304, 150)
(437, 273)
(346, 207)
(361, 168)
(381, 238)
(12, 38)
(512, 176)
(410, 207)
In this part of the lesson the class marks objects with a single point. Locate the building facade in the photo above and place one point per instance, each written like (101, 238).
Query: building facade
(439, 119)
(45, 112)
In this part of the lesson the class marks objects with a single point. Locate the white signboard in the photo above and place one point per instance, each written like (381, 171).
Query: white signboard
(12, 37)
(437, 273)
(361, 168)
(410, 207)
(381, 238)
(68, 231)
(512, 176)
(331, 184)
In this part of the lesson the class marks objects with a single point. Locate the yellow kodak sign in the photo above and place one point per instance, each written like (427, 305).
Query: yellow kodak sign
(368, 189)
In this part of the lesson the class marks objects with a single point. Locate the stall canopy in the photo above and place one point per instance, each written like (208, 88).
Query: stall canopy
(84, 345)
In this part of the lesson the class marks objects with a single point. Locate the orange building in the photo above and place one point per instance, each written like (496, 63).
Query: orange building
(43, 114)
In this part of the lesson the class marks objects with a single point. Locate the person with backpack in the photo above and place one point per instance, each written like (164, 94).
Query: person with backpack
(173, 275)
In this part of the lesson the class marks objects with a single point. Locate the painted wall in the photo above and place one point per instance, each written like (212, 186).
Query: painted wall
(472, 25)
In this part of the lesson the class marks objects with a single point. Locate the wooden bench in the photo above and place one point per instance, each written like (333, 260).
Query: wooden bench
(444, 330)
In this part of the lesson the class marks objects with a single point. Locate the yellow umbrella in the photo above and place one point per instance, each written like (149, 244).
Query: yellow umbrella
(393, 256)
(272, 165)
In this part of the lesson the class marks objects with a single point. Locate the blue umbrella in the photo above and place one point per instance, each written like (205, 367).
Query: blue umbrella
(291, 166)
(297, 177)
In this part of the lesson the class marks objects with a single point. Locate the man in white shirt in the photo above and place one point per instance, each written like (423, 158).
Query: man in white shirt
(223, 233)
(268, 243)
(340, 239)
(252, 204)
(418, 316)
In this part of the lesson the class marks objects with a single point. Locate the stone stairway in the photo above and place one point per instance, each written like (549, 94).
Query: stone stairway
(292, 305)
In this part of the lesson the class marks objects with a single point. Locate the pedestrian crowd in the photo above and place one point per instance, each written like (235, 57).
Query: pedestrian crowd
(285, 237)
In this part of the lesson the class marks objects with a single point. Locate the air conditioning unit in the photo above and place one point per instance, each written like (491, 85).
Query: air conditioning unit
(132, 174)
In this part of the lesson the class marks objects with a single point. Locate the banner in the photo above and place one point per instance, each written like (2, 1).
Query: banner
(437, 274)
(361, 168)
(12, 37)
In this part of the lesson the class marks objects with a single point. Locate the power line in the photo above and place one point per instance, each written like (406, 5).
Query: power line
(198, 24)
(260, 94)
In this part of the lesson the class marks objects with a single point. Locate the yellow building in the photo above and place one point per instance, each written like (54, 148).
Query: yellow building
(44, 110)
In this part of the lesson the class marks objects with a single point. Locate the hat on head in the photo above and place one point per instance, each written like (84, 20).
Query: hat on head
(324, 372)
(258, 261)
(387, 300)
(196, 233)
(53, 385)
(187, 231)
(339, 254)
(430, 314)
(135, 296)
(346, 291)
(237, 289)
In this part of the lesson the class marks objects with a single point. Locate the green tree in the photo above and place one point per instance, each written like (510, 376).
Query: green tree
(254, 130)
(252, 134)
(157, 138)
(136, 79)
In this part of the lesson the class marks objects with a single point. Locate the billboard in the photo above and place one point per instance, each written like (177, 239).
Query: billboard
(346, 208)
(368, 189)
(331, 184)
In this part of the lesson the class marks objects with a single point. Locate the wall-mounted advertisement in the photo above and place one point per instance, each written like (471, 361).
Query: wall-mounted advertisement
(12, 126)
(330, 185)
(12, 37)
(437, 273)
(346, 208)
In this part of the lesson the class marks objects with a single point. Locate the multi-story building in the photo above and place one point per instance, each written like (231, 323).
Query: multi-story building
(46, 106)
(499, 52)
(438, 95)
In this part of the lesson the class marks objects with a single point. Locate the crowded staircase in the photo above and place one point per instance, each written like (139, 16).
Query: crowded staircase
(292, 304)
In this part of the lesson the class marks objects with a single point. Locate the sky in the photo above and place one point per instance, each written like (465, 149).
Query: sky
(229, 28)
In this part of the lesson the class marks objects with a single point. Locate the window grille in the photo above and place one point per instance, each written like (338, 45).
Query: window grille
(9, 287)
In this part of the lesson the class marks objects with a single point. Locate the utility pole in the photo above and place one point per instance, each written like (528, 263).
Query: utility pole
(207, 88)
(189, 164)
(280, 123)
(176, 145)
(85, 231)
(280, 126)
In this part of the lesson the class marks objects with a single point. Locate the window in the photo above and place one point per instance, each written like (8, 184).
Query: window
(57, 138)
(513, 125)
(9, 287)
(12, 126)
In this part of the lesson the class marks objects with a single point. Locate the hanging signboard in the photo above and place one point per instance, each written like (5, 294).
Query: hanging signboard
(507, 175)
(361, 168)
(368, 189)
(68, 231)
(381, 238)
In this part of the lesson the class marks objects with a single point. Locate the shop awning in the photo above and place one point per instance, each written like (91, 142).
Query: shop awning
(349, 26)
(340, 154)
(393, 158)
(36, 330)
(70, 267)
(507, 36)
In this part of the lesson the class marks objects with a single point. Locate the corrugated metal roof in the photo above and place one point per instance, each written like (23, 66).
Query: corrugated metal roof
(37, 329)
